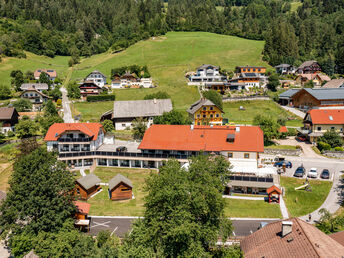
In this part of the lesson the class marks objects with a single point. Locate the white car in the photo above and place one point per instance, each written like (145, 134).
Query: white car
(312, 173)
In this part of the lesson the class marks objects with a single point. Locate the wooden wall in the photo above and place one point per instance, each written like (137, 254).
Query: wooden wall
(85, 194)
(119, 193)
(303, 98)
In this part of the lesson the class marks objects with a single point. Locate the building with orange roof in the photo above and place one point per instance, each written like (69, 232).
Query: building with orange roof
(81, 215)
(50, 72)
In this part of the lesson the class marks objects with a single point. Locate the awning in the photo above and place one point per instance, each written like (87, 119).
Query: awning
(82, 222)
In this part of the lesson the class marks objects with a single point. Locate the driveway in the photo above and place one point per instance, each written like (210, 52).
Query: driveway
(67, 113)
(294, 111)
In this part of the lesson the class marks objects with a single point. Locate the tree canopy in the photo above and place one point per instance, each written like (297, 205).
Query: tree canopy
(174, 117)
(215, 97)
(269, 126)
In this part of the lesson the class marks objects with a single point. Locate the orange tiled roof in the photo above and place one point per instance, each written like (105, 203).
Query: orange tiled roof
(272, 189)
(327, 116)
(55, 131)
(283, 129)
(50, 72)
(82, 207)
(206, 138)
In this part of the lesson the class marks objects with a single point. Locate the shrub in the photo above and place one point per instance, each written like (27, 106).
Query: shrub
(292, 132)
(10, 134)
(108, 125)
(158, 95)
(100, 98)
(322, 146)
(59, 102)
(338, 149)
(22, 105)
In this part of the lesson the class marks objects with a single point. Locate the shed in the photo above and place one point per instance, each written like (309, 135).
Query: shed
(120, 188)
(274, 193)
(81, 216)
(87, 186)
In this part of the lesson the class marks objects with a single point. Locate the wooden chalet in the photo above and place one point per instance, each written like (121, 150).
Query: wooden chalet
(89, 88)
(87, 186)
(8, 119)
(120, 188)
(309, 67)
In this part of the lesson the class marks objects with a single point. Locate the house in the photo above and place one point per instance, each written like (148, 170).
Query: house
(86, 186)
(130, 81)
(260, 70)
(249, 80)
(287, 83)
(50, 72)
(97, 78)
(248, 77)
(207, 73)
(81, 216)
(334, 84)
(38, 86)
(8, 119)
(89, 88)
(309, 67)
(124, 112)
(73, 138)
(318, 79)
(36, 97)
(285, 98)
(293, 238)
(205, 112)
(285, 69)
(319, 121)
(120, 188)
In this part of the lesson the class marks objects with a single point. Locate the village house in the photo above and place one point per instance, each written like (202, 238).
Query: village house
(334, 84)
(318, 79)
(309, 67)
(50, 72)
(293, 238)
(8, 119)
(205, 112)
(207, 74)
(38, 86)
(120, 188)
(130, 81)
(260, 70)
(86, 186)
(319, 121)
(36, 97)
(285, 69)
(247, 77)
(82, 221)
(124, 112)
(97, 77)
(89, 88)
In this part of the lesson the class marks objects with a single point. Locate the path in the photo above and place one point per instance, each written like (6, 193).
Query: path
(294, 111)
(244, 197)
(67, 113)
(283, 208)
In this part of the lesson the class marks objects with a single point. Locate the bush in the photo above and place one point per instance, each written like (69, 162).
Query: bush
(100, 98)
(292, 132)
(322, 146)
(108, 125)
(59, 102)
(338, 149)
(10, 134)
(22, 105)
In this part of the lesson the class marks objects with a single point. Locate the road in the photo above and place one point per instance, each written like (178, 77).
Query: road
(294, 111)
(121, 226)
(67, 113)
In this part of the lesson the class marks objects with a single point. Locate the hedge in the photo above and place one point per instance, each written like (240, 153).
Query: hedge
(100, 98)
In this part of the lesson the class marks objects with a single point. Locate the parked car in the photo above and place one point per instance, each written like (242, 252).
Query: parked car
(313, 173)
(287, 164)
(121, 149)
(301, 138)
(325, 174)
(299, 172)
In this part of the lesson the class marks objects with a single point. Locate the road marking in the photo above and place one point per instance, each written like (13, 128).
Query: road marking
(233, 233)
(251, 231)
(104, 224)
(114, 231)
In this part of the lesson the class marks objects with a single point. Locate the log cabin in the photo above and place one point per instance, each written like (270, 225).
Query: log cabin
(120, 188)
(86, 186)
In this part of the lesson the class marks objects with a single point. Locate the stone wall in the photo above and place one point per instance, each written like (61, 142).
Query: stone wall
(283, 152)
(334, 154)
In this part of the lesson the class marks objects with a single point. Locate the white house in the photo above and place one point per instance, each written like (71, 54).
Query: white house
(207, 74)
(130, 81)
(97, 77)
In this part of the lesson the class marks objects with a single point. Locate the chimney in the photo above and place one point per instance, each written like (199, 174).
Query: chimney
(237, 129)
(154, 100)
(191, 127)
(287, 227)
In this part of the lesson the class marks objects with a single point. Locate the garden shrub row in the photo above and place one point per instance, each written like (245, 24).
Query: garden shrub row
(100, 98)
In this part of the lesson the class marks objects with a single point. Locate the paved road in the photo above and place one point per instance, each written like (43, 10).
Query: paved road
(294, 111)
(121, 226)
(67, 113)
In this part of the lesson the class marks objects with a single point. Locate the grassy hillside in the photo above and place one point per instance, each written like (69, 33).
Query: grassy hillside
(169, 57)
(32, 62)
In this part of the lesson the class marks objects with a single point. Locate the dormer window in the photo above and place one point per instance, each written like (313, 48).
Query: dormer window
(230, 138)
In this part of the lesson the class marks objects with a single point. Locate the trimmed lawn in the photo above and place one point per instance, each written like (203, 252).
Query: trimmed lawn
(283, 147)
(91, 111)
(301, 202)
(101, 205)
(253, 108)
(236, 208)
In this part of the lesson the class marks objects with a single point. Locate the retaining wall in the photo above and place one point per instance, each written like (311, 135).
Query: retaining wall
(283, 152)
(334, 154)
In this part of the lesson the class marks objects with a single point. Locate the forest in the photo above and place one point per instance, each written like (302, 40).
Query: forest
(314, 30)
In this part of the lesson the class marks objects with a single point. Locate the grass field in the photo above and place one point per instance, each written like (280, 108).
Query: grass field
(101, 204)
(91, 111)
(253, 108)
(301, 202)
(237, 208)
(281, 147)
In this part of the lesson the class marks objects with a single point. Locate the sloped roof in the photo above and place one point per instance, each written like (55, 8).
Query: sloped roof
(88, 181)
(82, 207)
(323, 77)
(206, 138)
(199, 103)
(52, 73)
(307, 63)
(272, 189)
(37, 86)
(6, 113)
(96, 71)
(283, 129)
(204, 66)
(288, 93)
(283, 66)
(35, 90)
(326, 94)
(335, 83)
(90, 129)
(141, 108)
(305, 240)
(327, 116)
(118, 179)
(338, 236)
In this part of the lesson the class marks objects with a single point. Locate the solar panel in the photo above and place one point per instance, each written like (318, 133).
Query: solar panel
(331, 118)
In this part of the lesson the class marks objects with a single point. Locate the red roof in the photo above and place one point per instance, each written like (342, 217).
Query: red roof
(52, 73)
(273, 189)
(57, 129)
(283, 129)
(82, 207)
(327, 116)
(206, 138)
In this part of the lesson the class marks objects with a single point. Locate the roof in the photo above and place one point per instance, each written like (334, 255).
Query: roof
(82, 207)
(326, 94)
(249, 75)
(96, 71)
(206, 138)
(118, 179)
(6, 113)
(305, 240)
(37, 86)
(258, 184)
(273, 189)
(141, 108)
(283, 129)
(88, 181)
(199, 103)
(89, 84)
(57, 129)
(335, 83)
(52, 73)
(288, 93)
(208, 65)
(338, 236)
(283, 66)
(35, 90)
(327, 116)
(307, 63)
(324, 77)
(247, 66)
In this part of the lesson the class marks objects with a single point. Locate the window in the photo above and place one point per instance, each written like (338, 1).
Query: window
(77, 190)
(319, 128)
(198, 116)
(211, 116)
(230, 154)
(217, 115)
(204, 116)
(211, 108)
(244, 70)
(123, 125)
(125, 189)
(70, 135)
(246, 155)
(254, 69)
(332, 127)
(258, 69)
(198, 123)
(204, 108)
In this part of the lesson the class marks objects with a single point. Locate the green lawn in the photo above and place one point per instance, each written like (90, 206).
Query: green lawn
(283, 147)
(91, 111)
(236, 208)
(101, 205)
(301, 202)
(253, 108)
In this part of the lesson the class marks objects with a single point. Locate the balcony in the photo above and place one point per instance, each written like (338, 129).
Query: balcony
(75, 149)
(85, 149)
(304, 131)
(74, 139)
